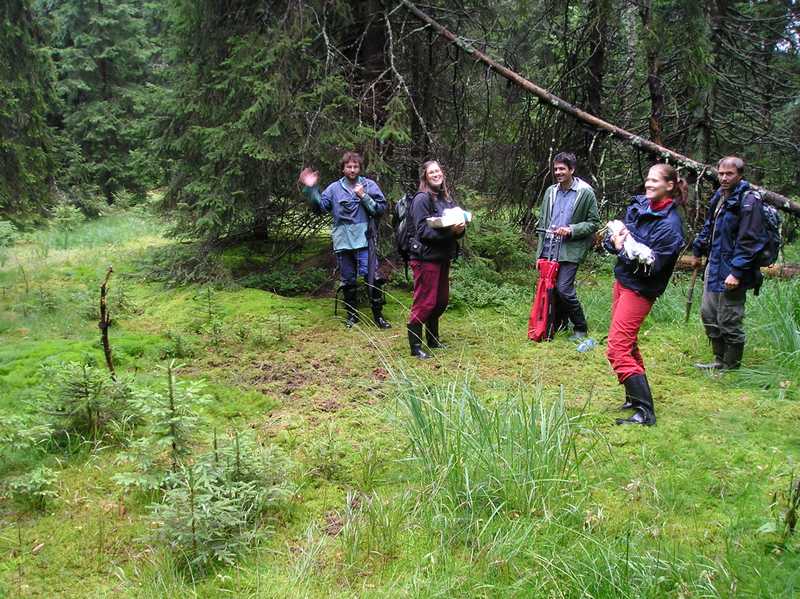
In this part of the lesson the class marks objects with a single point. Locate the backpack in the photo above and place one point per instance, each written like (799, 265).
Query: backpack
(402, 208)
(772, 226)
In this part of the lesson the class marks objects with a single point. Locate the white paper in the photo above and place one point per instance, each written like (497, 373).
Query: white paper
(449, 217)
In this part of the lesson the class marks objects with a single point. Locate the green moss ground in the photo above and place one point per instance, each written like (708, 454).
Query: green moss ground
(693, 491)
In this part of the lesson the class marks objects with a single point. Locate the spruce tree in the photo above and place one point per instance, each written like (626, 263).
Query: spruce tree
(260, 91)
(26, 90)
(102, 53)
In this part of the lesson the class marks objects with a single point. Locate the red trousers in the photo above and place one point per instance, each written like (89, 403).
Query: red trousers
(431, 290)
(628, 311)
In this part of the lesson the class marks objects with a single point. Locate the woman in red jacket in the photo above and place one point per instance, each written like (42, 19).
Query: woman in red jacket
(430, 250)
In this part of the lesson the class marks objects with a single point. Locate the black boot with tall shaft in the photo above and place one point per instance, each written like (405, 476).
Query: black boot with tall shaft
(432, 334)
(377, 300)
(718, 347)
(350, 293)
(638, 392)
(415, 341)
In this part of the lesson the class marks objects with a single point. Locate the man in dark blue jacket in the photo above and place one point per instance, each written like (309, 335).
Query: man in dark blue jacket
(732, 237)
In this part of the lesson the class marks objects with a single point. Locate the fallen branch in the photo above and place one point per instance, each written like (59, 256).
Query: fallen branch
(703, 170)
(782, 271)
(105, 322)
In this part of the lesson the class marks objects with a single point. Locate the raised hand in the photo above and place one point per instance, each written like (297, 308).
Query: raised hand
(308, 177)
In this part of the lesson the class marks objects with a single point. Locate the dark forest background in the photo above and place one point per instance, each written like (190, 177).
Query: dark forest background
(220, 103)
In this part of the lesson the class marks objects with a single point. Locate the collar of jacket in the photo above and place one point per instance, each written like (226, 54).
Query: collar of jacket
(346, 187)
(643, 207)
(737, 194)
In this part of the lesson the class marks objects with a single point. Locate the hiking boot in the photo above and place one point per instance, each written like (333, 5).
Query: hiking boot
(733, 356)
(377, 300)
(718, 346)
(415, 341)
(350, 293)
(380, 321)
(637, 388)
(432, 334)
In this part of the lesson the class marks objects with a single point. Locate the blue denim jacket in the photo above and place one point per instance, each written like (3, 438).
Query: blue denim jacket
(350, 214)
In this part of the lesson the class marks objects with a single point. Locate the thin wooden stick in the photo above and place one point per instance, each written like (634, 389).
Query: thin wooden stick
(105, 322)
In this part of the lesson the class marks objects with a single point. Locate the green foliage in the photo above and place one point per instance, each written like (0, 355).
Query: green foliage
(27, 141)
(66, 219)
(103, 56)
(516, 456)
(171, 415)
(83, 399)
(8, 235)
(786, 510)
(18, 433)
(287, 280)
(501, 243)
(327, 453)
(475, 284)
(183, 265)
(178, 346)
(34, 487)
(776, 315)
(373, 527)
(213, 509)
(254, 99)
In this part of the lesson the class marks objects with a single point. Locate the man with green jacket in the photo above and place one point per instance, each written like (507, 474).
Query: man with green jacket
(569, 212)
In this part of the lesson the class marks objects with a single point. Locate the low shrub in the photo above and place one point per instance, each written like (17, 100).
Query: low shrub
(214, 509)
(476, 284)
(34, 488)
(288, 280)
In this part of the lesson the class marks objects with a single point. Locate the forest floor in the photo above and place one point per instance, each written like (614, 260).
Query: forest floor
(391, 494)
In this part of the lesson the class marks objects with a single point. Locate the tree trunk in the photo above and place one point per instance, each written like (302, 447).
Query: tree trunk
(654, 64)
(598, 28)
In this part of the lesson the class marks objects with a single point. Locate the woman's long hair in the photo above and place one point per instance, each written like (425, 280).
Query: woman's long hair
(425, 187)
(680, 191)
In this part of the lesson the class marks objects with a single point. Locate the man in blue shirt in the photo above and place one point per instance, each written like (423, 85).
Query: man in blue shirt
(355, 203)
(569, 212)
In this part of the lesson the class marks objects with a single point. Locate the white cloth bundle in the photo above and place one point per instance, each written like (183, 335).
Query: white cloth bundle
(450, 217)
(632, 249)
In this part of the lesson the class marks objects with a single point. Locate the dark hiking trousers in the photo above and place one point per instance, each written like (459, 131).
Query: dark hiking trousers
(723, 315)
(567, 304)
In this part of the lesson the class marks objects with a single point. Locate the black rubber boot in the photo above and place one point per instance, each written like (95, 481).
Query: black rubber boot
(432, 334)
(377, 301)
(415, 341)
(629, 403)
(718, 346)
(350, 293)
(733, 356)
(638, 390)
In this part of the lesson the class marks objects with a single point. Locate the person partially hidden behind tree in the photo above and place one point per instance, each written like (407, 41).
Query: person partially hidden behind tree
(356, 203)
(732, 237)
(569, 211)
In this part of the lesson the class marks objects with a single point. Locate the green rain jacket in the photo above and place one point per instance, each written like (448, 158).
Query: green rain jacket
(584, 223)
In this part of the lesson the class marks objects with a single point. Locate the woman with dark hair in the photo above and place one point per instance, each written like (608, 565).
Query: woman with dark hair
(430, 249)
(647, 245)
